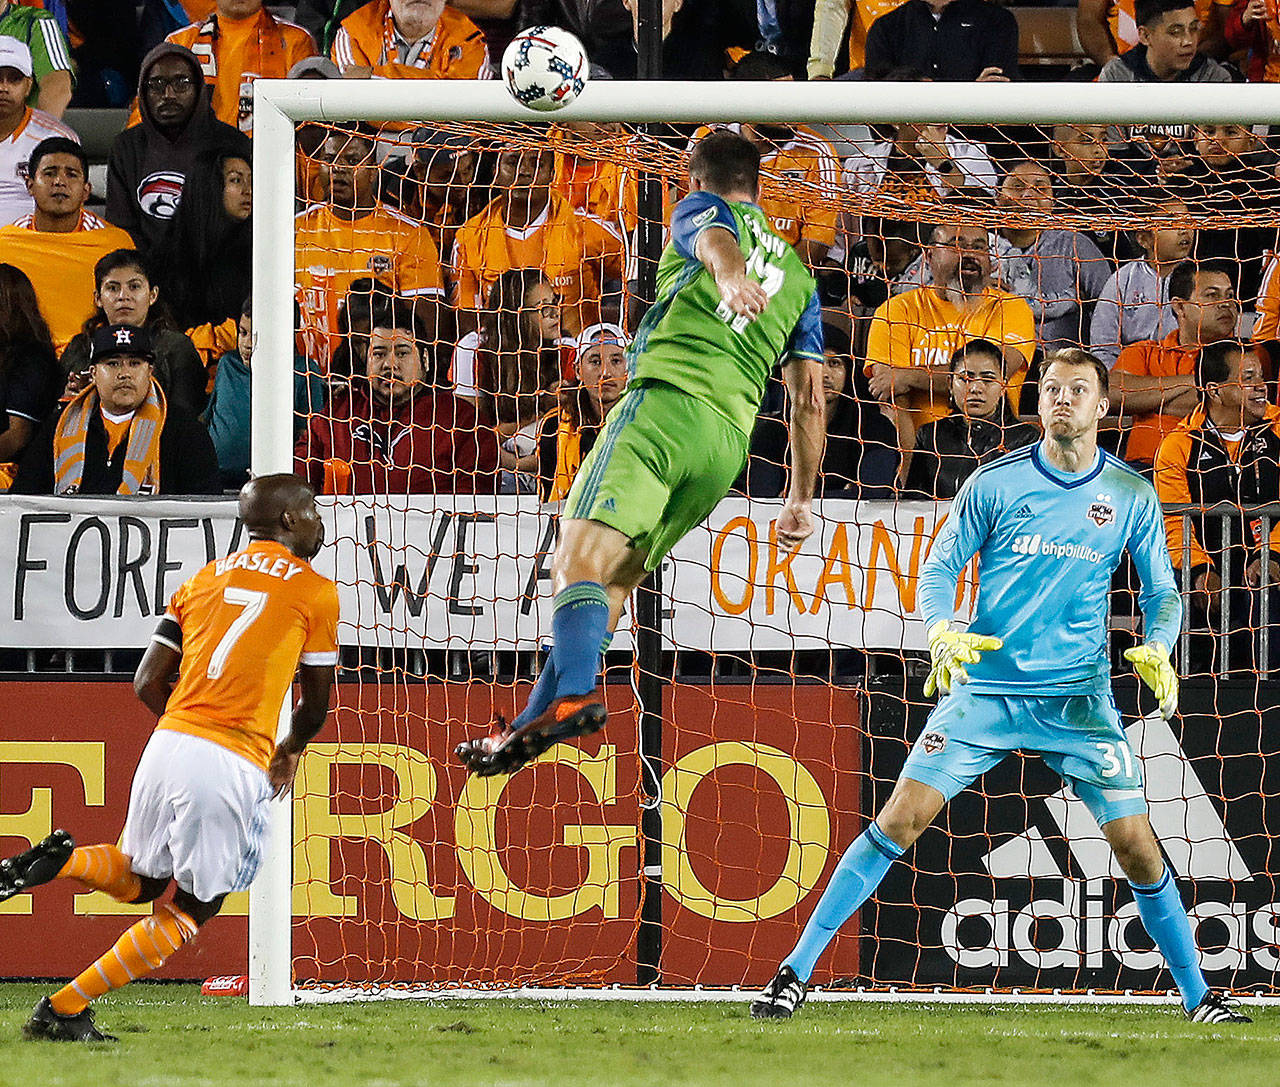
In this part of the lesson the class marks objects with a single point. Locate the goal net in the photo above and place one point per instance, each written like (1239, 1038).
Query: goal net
(428, 259)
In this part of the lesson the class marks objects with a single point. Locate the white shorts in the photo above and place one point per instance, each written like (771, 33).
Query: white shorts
(197, 814)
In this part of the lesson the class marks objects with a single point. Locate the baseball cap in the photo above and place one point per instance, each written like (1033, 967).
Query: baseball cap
(315, 68)
(15, 54)
(112, 340)
(601, 333)
(428, 142)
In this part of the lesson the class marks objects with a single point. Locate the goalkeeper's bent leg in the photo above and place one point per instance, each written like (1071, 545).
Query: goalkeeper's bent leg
(1165, 919)
(858, 874)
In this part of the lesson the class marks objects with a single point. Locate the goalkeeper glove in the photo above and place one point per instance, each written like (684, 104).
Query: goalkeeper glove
(1151, 662)
(949, 651)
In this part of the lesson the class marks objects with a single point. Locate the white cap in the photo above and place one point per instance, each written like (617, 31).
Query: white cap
(15, 54)
(602, 333)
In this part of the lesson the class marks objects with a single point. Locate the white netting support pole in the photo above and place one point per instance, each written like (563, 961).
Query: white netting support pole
(271, 450)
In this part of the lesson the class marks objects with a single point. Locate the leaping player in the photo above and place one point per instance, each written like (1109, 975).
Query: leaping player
(235, 633)
(1049, 524)
(734, 299)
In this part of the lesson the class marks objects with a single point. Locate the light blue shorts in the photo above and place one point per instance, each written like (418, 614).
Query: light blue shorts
(1080, 737)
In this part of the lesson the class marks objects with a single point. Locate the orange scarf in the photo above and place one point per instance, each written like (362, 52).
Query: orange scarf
(142, 454)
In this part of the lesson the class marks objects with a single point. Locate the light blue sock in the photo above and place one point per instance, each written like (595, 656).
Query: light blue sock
(579, 623)
(1165, 919)
(544, 689)
(856, 876)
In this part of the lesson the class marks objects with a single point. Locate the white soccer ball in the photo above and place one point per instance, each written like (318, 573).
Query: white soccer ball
(545, 67)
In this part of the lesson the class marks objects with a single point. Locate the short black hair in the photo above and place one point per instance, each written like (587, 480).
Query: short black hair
(1147, 12)
(56, 145)
(1213, 364)
(1182, 280)
(835, 340)
(977, 346)
(246, 307)
(726, 162)
(1074, 356)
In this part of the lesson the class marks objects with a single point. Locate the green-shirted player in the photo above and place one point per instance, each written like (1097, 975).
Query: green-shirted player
(733, 300)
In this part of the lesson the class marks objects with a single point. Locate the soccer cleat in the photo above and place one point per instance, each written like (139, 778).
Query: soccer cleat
(47, 1023)
(1217, 1008)
(505, 750)
(781, 997)
(39, 864)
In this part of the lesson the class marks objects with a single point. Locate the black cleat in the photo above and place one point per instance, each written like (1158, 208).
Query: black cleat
(505, 750)
(1217, 1008)
(781, 997)
(39, 864)
(47, 1023)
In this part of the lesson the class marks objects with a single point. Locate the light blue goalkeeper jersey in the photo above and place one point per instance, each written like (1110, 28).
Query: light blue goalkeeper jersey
(1047, 543)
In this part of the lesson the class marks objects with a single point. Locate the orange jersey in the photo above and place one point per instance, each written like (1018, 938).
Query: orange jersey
(576, 252)
(599, 187)
(235, 52)
(1124, 23)
(1267, 327)
(60, 267)
(455, 49)
(922, 328)
(864, 13)
(246, 622)
(1154, 358)
(331, 251)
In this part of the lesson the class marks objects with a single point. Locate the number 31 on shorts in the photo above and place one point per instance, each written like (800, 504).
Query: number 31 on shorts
(1115, 758)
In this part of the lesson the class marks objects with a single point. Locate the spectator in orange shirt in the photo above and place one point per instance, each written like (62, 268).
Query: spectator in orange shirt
(913, 336)
(59, 243)
(591, 174)
(1154, 380)
(439, 184)
(530, 226)
(411, 39)
(240, 42)
(351, 236)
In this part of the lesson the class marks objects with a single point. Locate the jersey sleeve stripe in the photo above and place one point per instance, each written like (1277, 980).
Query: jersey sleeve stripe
(54, 45)
(319, 660)
(158, 637)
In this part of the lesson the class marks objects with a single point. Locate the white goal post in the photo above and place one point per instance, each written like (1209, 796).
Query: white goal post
(280, 104)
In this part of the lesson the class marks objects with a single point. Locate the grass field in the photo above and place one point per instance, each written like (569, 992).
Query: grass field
(171, 1036)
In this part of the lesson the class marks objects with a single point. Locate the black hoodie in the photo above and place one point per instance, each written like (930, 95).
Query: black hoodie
(147, 169)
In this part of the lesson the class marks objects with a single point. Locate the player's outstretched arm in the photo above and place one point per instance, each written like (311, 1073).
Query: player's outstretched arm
(309, 715)
(720, 253)
(153, 681)
(808, 436)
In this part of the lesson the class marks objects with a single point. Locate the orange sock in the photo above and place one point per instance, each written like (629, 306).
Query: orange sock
(104, 868)
(143, 948)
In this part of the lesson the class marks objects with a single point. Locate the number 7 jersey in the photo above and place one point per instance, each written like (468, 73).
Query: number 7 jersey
(243, 624)
(690, 338)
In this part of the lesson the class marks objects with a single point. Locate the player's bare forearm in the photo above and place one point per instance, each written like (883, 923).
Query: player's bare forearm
(309, 716)
(722, 257)
(153, 681)
(808, 437)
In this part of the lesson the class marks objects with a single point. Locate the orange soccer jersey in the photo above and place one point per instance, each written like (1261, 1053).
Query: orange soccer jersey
(235, 52)
(922, 328)
(247, 622)
(455, 49)
(331, 251)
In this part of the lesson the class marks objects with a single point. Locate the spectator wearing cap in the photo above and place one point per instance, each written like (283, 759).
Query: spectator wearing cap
(351, 236)
(120, 435)
(125, 295)
(393, 432)
(441, 187)
(1154, 380)
(1167, 49)
(58, 244)
(411, 39)
(946, 40)
(567, 435)
(309, 135)
(149, 162)
(22, 128)
(239, 42)
(1058, 272)
(51, 68)
(528, 225)
(1134, 302)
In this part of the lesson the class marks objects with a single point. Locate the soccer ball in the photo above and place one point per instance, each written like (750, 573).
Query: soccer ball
(545, 67)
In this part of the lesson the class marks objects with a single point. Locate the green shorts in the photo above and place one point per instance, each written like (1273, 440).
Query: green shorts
(661, 463)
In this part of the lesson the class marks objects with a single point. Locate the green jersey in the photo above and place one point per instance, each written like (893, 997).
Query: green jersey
(692, 340)
(39, 31)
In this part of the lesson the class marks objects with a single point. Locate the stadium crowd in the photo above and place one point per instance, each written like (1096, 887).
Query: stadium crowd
(464, 304)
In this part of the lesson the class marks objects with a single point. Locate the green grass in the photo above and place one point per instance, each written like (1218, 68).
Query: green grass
(170, 1036)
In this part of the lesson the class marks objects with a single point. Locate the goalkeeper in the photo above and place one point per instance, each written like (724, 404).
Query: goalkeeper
(1049, 524)
(734, 300)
